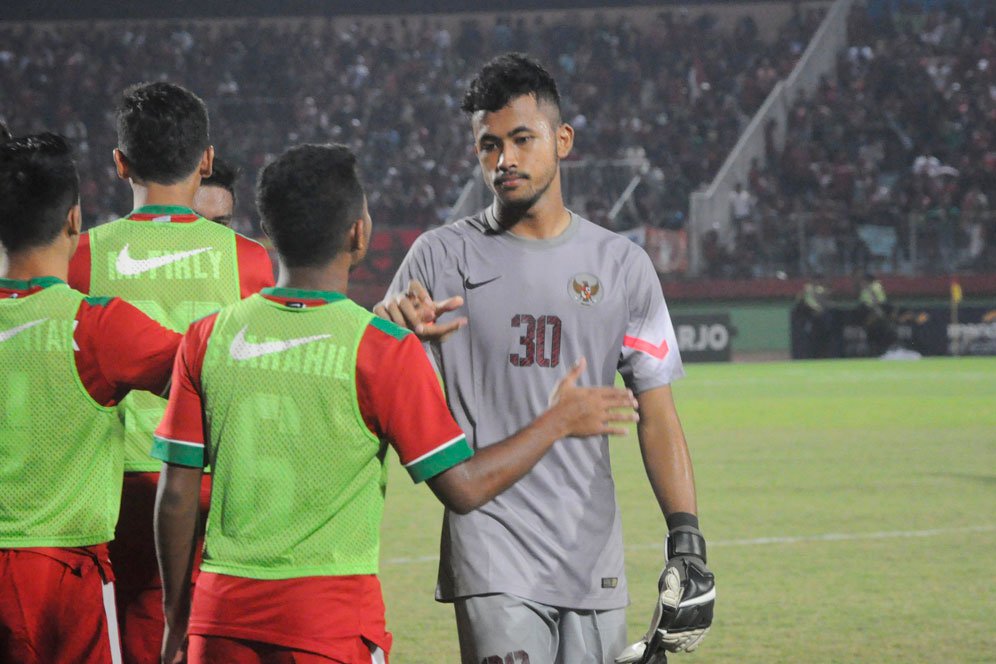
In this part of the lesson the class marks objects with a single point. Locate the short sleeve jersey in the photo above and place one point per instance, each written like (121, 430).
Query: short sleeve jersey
(535, 307)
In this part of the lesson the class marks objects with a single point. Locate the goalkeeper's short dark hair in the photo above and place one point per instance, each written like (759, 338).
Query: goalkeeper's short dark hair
(308, 198)
(39, 184)
(163, 131)
(506, 77)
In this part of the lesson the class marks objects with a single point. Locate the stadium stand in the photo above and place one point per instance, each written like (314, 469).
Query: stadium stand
(890, 165)
(677, 88)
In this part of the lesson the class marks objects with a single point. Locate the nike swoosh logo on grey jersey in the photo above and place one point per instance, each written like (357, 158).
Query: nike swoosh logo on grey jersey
(14, 331)
(471, 285)
(246, 350)
(129, 266)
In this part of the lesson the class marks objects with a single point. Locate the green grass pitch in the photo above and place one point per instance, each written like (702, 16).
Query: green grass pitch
(850, 508)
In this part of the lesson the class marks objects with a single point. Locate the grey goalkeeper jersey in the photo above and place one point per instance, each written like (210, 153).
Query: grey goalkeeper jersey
(535, 307)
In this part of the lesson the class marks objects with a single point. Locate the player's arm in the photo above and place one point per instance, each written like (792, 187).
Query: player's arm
(119, 349)
(179, 443)
(177, 514)
(574, 412)
(665, 452)
(413, 415)
(683, 612)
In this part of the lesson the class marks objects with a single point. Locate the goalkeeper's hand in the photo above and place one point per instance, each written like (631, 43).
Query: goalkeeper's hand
(683, 612)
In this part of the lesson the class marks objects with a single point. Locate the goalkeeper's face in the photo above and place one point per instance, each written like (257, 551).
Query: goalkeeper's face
(519, 148)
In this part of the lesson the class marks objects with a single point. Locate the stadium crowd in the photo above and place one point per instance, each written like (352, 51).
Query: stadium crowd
(677, 90)
(890, 165)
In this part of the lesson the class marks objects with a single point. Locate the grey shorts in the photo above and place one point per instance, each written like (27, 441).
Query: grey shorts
(504, 629)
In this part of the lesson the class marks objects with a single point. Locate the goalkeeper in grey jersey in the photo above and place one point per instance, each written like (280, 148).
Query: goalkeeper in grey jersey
(507, 301)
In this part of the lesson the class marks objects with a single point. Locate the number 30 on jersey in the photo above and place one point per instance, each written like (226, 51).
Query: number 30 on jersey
(539, 341)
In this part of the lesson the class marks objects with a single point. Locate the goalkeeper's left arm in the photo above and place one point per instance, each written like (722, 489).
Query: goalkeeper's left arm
(686, 581)
(687, 592)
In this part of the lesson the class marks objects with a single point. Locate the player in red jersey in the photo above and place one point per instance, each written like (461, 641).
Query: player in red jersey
(175, 266)
(65, 359)
(292, 395)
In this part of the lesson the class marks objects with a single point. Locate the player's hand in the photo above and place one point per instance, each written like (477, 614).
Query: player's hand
(592, 411)
(683, 613)
(174, 650)
(418, 312)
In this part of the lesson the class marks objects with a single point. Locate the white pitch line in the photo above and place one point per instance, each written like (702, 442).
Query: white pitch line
(758, 541)
(832, 537)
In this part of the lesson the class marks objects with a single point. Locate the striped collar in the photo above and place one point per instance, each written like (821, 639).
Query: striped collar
(164, 213)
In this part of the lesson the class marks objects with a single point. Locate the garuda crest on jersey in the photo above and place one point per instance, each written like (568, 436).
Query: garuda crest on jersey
(585, 289)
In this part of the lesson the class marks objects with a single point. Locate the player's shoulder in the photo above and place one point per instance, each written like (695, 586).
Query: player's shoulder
(101, 301)
(386, 332)
(105, 227)
(114, 312)
(247, 244)
(612, 245)
(388, 347)
(452, 233)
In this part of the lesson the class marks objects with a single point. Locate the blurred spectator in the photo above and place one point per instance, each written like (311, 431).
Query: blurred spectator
(812, 308)
(741, 208)
(876, 314)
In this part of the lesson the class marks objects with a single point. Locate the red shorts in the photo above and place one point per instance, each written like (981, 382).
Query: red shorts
(332, 616)
(208, 649)
(57, 605)
(138, 588)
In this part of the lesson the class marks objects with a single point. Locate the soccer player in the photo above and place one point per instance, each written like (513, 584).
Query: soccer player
(537, 574)
(176, 267)
(215, 199)
(292, 396)
(65, 360)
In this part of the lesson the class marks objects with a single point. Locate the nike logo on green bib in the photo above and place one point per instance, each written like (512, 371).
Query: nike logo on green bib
(241, 349)
(129, 266)
(14, 331)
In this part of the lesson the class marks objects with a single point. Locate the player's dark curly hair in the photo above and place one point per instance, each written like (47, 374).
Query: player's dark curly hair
(506, 77)
(38, 186)
(163, 130)
(223, 175)
(308, 198)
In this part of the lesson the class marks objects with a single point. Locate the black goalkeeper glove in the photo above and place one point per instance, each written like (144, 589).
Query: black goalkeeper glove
(683, 613)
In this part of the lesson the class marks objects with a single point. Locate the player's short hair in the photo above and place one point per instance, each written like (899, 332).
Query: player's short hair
(38, 186)
(506, 77)
(223, 175)
(163, 131)
(308, 198)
